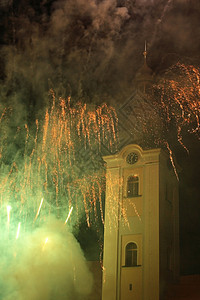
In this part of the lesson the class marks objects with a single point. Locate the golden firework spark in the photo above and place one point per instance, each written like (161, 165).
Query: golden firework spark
(45, 242)
(69, 214)
(54, 161)
(18, 230)
(39, 208)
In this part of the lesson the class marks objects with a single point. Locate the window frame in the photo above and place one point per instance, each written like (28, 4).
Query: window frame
(134, 255)
(135, 186)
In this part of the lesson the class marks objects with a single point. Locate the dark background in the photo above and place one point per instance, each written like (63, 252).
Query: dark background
(92, 50)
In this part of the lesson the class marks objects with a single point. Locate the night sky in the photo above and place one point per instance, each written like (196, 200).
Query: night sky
(92, 50)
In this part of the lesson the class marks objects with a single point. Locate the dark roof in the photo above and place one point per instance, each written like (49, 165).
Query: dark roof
(144, 73)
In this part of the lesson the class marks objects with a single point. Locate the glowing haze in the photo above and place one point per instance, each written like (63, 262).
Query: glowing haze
(51, 170)
(43, 263)
(45, 191)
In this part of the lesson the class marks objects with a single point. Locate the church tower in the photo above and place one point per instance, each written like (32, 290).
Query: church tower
(141, 244)
(144, 78)
(141, 232)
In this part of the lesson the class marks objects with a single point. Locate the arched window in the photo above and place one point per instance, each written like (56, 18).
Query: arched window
(132, 186)
(131, 255)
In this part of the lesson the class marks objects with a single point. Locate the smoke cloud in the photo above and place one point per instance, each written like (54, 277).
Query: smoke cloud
(42, 263)
(88, 49)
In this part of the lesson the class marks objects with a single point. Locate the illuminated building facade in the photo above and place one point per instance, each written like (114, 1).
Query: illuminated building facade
(141, 244)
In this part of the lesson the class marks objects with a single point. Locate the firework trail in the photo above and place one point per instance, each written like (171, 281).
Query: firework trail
(166, 113)
(177, 102)
(53, 161)
(60, 168)
(60, 160)
(159, 21)
(55, 170)
(179, 93)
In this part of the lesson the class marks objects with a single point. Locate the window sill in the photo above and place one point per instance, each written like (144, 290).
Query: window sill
(132, 266)
(135, 196)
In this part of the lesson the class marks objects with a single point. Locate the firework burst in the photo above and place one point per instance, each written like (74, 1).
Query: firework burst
(180, 99)
(48, 170)
(58, 163)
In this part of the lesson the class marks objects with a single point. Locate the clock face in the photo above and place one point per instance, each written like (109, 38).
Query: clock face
(132, 158)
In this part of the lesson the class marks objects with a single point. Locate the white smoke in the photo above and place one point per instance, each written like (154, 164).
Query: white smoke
(43, 264)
